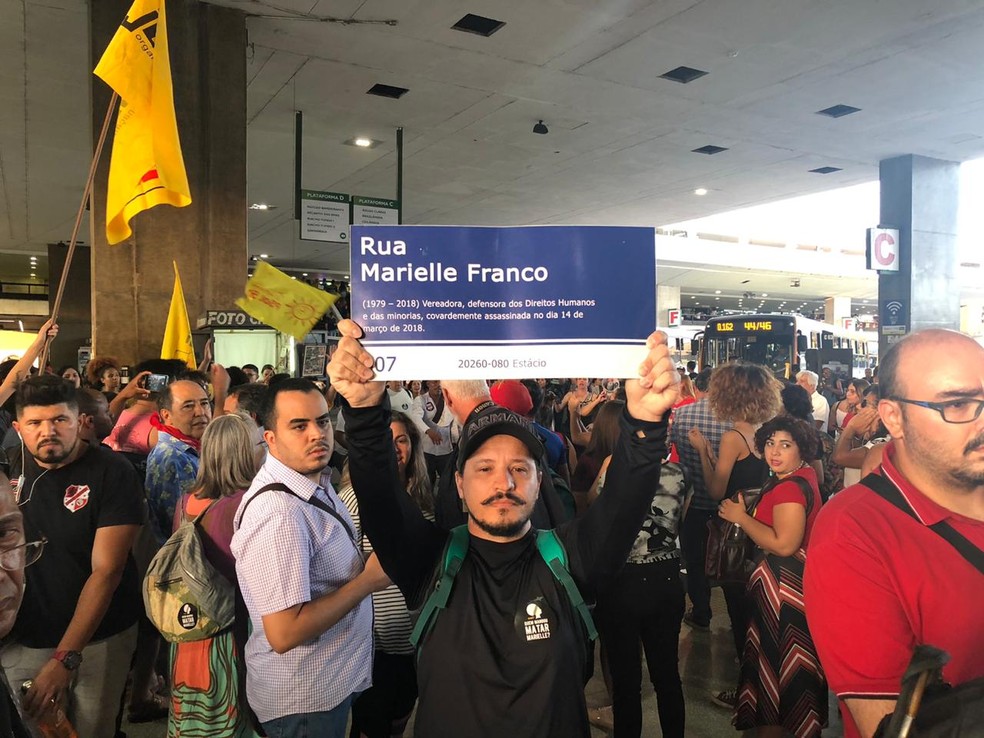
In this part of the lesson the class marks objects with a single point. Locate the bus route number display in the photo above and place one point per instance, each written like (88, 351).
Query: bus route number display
(469, 302)
(748, 326)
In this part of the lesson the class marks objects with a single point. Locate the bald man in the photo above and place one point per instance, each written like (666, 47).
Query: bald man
(879, 580)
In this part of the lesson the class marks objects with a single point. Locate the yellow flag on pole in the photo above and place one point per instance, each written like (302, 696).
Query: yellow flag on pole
(284, 303)
(177, 333)
(146, 168)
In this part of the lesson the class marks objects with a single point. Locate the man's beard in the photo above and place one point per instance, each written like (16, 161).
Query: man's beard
(54, 453)
(504, 529)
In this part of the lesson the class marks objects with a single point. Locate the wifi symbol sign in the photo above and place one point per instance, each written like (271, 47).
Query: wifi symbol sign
(893, 312)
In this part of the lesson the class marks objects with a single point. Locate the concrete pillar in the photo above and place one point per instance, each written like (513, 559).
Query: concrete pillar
(132, 282)
(667, 299)
(835, 309)
(74, 316)
(920, 196)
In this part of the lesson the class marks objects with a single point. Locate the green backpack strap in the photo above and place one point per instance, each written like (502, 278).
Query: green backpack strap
(552, 551)
(454, 555)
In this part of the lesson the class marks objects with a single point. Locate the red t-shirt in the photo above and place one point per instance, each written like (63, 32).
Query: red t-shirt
(878, 583)
(787, 491)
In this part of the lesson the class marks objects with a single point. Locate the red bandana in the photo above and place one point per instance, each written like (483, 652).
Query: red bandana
(155, 420)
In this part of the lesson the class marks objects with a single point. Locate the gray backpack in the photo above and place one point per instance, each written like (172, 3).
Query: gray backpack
(186, 598)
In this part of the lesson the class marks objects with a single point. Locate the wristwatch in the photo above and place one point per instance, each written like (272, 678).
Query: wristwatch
(69, 659)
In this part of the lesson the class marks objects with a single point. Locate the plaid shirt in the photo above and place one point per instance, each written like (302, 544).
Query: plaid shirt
(697, 415)
(289, 552)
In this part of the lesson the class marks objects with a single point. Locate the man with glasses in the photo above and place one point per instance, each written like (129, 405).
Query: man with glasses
(880, 577)
(76, 629)
(15, 554)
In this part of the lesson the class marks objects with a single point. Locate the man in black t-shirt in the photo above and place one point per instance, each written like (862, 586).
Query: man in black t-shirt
(76, 630)
(506, 655)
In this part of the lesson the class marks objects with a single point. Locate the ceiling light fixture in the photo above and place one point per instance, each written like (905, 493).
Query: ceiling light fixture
(541, 129)
(363, 142)
(264, 256)
(700, 191)
(717, 292)
(259, 206)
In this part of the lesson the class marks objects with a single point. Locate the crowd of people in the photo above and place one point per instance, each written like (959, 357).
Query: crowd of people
(450, 549)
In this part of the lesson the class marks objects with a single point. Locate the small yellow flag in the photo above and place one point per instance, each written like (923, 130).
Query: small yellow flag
(177, 333)
(146, 168)
(284, 303)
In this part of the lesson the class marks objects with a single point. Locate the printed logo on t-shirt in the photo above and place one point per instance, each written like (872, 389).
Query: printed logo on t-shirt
(76, 497)
(188, 616)
(536, 626)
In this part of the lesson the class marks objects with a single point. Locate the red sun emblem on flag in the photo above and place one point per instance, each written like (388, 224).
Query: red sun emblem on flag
(303, 311)
(76, 497)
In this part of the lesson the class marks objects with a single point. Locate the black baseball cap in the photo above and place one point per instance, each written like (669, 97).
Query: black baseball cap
(497, 421)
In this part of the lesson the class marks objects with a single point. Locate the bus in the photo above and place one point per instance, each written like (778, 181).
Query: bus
(785, 343)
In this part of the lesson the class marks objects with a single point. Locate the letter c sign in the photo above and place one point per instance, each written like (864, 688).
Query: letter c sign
(883, 249)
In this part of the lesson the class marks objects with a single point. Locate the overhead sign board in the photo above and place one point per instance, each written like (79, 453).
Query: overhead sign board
(375, 211)
(504, 303)
(883, 249)
(324, 215)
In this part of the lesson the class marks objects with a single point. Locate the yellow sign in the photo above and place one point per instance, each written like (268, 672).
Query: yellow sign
(284, 303)
(146, 168)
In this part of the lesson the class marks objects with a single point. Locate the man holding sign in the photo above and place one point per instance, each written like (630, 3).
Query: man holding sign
(505, 652)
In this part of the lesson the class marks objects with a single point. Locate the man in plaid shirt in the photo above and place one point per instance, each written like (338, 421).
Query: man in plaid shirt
(693, 532)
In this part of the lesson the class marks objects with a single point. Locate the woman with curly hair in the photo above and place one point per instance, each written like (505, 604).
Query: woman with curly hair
(782, 687)
(384, 709)
(103, 373)
(745, 395)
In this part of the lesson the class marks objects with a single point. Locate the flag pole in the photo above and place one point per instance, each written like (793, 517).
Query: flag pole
(86, 192)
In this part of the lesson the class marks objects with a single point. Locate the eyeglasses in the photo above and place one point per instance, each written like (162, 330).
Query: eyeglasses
(953, 411)
(16, 558)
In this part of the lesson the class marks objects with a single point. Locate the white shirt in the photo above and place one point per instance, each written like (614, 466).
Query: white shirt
(821, 410)
(400, 401)
(289, 552)
(422, 414)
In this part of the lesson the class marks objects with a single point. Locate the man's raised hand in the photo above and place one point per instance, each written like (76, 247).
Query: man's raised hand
(657, 390)
(350, 369)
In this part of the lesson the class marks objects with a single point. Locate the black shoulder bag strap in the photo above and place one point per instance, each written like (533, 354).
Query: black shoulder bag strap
(320, 504)
(886, 490)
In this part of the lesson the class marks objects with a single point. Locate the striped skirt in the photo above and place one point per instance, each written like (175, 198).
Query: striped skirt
(782, 682)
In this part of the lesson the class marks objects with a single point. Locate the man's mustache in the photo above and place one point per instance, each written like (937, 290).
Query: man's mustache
(975, 444)
(504, 496)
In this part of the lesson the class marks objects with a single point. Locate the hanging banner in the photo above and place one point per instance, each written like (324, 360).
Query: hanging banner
(506, 303)
(324, 216)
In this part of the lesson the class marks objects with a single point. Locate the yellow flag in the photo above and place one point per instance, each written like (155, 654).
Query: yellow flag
(146, 168)
(177, 333)
(284, 303)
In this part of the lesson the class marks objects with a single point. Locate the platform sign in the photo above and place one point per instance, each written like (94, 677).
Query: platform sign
(498, 303)
(324, 215)
(375, 211)
(883, 249)
(673, 317)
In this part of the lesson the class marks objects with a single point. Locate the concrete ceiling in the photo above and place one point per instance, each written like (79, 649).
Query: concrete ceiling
(620, 145)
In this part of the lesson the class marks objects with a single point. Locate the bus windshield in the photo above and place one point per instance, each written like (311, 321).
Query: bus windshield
(773, 352)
